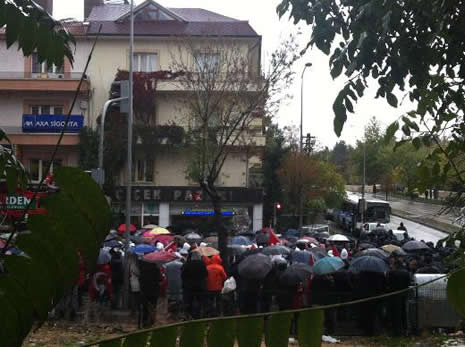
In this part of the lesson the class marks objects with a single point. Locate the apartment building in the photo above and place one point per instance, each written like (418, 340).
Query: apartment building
(162, 193)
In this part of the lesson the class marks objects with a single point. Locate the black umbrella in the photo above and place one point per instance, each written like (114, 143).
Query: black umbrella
(276, 250)
(255, 266)
(375, 252)
(414, 245)
(399, 252)
(368, 263)
(295, 274)
(193, 237)
(262, 238)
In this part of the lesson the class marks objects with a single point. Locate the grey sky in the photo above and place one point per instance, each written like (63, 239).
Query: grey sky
(319, 88)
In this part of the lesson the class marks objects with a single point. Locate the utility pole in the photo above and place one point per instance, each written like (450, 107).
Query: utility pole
(301, 142)
(129, 155)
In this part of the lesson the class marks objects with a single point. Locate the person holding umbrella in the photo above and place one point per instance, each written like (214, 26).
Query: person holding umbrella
(150, 278)
(194, 281)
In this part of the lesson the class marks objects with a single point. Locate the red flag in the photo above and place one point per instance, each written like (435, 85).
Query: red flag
(273, 238)
(171, 247)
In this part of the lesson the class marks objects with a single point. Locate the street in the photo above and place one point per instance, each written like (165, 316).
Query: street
(418, 231)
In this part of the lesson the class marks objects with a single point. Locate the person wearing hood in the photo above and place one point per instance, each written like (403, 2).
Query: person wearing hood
(194, 282)
(215, 281)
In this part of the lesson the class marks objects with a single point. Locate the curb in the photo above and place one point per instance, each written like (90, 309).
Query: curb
(437, 226)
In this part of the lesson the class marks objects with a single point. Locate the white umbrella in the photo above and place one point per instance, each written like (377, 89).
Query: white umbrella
(150, 226)
(338, 237)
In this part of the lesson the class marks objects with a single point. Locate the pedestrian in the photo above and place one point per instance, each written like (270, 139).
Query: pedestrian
(134, 284)
(116, 264)
(194, 283)
(150, 278)
(174, 290)
(397, 279)
(215, 281)
(402, 227)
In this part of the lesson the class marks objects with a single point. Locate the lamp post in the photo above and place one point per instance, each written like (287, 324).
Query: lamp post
(302, 135)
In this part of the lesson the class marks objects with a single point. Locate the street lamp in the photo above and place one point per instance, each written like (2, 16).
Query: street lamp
(302, 105)
(302, 133)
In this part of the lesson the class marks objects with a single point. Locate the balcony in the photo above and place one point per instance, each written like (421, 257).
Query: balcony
(50, 82)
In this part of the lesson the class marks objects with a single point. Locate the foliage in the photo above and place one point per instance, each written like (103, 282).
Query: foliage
(246, 330)
(35, 30)
(78, 219)
(275, 150)
(88, 148)
(10, 168)
(312, 180)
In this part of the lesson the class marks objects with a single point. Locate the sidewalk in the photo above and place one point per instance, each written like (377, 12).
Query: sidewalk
(422, 213)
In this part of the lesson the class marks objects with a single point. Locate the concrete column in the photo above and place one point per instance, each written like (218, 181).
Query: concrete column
(257, 217)
(164, 217)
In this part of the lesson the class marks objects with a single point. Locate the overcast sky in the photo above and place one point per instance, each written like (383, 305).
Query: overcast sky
(319, 88)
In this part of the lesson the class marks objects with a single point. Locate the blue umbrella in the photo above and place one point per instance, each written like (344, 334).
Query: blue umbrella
(241, 241)
(327, 265)
(143, 249)
(368, 263)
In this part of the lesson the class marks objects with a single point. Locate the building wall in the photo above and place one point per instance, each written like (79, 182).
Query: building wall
(11, 60)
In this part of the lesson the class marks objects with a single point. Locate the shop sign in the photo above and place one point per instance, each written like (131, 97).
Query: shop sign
(206, 212)
(187, 194)
(18, 202)
(50, 123)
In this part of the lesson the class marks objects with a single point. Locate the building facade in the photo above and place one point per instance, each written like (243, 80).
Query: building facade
(162, 192)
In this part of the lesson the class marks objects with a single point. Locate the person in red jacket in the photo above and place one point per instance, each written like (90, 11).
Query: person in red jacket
(215, 281)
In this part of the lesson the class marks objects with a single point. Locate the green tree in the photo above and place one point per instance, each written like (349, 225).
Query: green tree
(275, 150)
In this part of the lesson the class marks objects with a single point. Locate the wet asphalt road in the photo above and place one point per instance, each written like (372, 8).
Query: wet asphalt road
(418, 231)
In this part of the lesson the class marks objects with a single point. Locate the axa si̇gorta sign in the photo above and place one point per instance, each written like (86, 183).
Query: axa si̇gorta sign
(50, 123)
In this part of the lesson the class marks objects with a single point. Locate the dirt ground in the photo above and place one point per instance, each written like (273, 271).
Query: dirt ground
(54, 334)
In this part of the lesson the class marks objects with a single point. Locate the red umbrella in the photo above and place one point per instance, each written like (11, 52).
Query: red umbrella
(160, 257)
(122, 228)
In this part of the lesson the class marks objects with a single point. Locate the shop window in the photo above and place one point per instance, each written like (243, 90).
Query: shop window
(38, 168)
(47, 109)
(142, 170)
(42, 67)
(145, 62)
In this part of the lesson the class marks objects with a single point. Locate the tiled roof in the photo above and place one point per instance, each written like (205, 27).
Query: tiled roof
(174, 28)
(112, 12)
(201, 15)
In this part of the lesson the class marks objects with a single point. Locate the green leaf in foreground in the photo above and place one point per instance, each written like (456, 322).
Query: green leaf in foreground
(310, 328)
(249, 332)
(456, 292)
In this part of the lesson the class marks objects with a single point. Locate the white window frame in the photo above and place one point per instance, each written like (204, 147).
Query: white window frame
(51, 107)
(44, 68)
(137, 60)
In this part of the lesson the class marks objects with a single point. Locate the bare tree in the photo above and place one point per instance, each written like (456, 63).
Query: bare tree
(228, 94)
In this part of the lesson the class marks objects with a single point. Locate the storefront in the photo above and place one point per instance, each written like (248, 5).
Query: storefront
(187, 206)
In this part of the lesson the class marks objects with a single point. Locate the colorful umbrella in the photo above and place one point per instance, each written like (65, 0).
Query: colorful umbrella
(328, 265)
(160, 257)
(207, 251)
(122, 228)
(163, 238)
(143, 249)
(159, 231)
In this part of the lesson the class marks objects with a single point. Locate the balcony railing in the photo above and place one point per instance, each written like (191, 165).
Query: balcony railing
(21, 75)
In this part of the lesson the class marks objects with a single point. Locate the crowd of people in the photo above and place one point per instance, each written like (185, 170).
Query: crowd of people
(191, 282)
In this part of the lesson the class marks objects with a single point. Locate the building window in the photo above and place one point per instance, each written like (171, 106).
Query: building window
(38, 168)
(47, 109)
(145, 62)
(143, 170)
(207, 62)
(43, 67)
